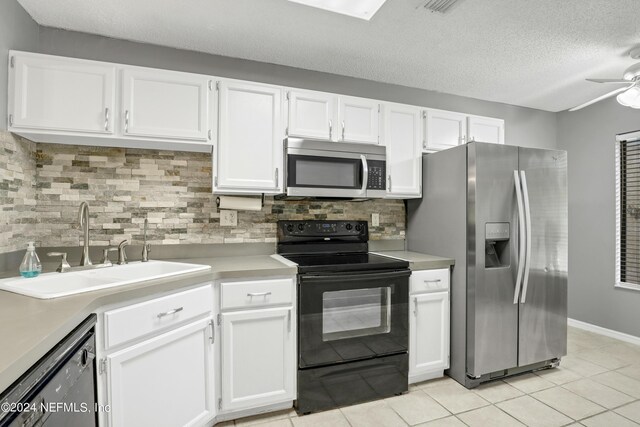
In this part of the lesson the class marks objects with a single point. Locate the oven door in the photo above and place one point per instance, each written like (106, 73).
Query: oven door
(346, 317)
(327, 174)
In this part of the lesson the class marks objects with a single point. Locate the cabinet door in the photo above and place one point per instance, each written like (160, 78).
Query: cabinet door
(258, 358)
(312, 114)
(164, 381)
(249, 152)
(61, 94)
(403, 139)
(165, 104)
(486, 129)
(359, 120)
(445, 129)
(429, 333)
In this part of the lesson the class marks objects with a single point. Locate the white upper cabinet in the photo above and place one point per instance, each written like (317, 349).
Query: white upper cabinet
(403, 139)
(330, 117)
(61, 94)
(312, 114)
(486, 129)
(358, 119)
(444, 129)
(249, 154)
(165, 104)
(258, 358)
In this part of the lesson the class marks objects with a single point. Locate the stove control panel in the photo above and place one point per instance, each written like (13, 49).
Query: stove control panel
(315, 228)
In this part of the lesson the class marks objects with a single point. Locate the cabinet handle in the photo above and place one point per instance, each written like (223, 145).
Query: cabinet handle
(276, 178)
(106, 119)
(167, 313)
(415, 306)
(330, 128)
(389, 178)
(432, 281)
(289, 321)
(126, 121)
(213, 331)
(258, 294)
(343, 130)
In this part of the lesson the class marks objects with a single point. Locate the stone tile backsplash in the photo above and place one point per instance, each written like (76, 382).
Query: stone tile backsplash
(42, 186)
(17, 192)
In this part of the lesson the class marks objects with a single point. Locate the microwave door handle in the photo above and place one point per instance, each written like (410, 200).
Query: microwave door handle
(365, 174)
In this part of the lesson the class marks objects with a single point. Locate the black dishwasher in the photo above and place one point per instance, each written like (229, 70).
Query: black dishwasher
(59, 390)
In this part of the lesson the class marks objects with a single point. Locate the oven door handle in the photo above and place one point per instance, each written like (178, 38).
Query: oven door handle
(356, 275)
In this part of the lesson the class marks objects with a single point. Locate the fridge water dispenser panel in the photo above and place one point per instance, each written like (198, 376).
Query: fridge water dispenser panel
(496, 244)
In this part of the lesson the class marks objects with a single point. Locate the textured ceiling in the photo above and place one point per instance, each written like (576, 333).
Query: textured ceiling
(534, 53)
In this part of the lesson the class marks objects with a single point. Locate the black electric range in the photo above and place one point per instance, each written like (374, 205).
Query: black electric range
(352, 315)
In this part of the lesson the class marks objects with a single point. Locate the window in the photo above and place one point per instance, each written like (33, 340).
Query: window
(628, 210)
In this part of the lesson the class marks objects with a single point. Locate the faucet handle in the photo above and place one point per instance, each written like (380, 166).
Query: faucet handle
(64, 264)
(146, 248)
(105, 254)
(122, 255)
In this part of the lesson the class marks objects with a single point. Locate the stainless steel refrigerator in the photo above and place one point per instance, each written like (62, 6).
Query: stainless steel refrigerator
(501, 212)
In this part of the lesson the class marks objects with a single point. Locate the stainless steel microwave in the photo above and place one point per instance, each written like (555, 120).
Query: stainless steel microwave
(334, 169)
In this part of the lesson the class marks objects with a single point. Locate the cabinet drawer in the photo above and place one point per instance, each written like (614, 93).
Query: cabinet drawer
(134, 321)
(429, 280)
(256, 293)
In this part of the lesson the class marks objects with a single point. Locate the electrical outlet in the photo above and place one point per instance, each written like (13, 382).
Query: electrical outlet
(228, 218)
(375, 220)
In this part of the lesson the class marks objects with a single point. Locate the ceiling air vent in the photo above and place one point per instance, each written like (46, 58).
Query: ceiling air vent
(440, 6)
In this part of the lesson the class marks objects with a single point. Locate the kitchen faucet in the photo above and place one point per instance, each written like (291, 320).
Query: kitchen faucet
(83, 218)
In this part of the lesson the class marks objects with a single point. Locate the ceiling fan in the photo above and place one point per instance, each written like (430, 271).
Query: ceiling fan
(629, 95)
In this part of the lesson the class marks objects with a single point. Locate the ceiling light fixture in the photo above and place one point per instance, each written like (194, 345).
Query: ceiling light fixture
(362, 9)
(630, 97)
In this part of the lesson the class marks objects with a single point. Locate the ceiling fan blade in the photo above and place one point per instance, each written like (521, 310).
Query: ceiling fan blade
(608, 81)
(600, 98)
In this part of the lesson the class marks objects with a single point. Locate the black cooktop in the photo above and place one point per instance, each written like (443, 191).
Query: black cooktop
(343, 262)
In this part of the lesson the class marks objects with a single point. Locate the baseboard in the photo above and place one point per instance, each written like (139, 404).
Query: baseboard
(604, 331)
(425, 376)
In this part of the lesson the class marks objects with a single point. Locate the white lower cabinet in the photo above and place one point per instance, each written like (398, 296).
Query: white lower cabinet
(258, 358)
(429, 325)
(164, 381)
(156, 362)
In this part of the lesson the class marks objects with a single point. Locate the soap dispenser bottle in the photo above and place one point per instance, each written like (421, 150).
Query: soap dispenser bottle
(30, 266)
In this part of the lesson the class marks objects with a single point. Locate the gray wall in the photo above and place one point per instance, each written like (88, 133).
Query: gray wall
(588, 135)
(17, 31)
(524, 126)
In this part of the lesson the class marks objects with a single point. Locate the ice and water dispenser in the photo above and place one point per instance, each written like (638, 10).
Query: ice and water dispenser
(496, 244)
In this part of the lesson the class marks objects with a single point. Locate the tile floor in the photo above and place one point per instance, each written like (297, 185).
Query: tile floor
(597, 384)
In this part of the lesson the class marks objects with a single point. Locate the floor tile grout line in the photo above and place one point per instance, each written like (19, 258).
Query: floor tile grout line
(599, 404)
(559, 411)
(625, 417)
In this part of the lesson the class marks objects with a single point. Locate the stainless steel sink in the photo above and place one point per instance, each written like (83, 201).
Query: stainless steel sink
(55, 285)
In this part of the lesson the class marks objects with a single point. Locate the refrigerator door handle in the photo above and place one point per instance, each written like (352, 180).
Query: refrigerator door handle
(521, 237)
(527, 217)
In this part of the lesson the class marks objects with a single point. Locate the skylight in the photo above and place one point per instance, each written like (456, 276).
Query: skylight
(362, 9)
